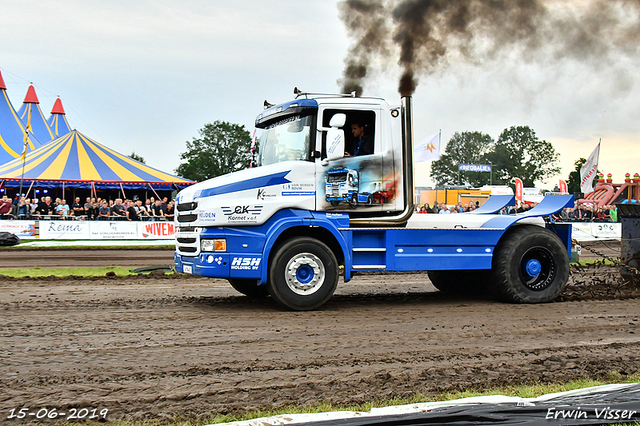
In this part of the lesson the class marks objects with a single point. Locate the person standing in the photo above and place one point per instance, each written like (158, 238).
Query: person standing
(104, 211)
(78, 208)
(613, 213)
(23, 208)
(62, 209)
(156, 209)
(118, 210)
(46, 208)
(5, 207)
(93, 211)
(131, 212)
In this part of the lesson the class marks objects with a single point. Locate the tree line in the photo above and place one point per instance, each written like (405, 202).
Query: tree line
(223, 147)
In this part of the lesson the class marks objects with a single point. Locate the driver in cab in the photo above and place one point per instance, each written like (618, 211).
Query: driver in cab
(364, 142)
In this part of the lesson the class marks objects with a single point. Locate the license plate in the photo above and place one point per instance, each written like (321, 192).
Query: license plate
(187, 269)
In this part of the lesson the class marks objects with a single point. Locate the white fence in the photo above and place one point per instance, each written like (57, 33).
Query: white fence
(89, 230)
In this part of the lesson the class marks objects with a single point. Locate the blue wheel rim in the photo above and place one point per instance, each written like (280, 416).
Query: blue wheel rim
(304, 274)
(534, 267)
(537, 268)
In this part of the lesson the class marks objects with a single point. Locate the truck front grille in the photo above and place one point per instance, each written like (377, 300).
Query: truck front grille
(184, 240)
(185, 207)
(187, 218)
(187, 249)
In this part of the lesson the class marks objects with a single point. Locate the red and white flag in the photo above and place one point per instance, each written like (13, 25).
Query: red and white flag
(519, 189)
(588, 171)
(563, 187)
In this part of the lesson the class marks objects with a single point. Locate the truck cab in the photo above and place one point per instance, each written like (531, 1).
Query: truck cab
(317, 203)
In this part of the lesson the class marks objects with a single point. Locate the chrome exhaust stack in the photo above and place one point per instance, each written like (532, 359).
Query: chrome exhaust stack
(408, 189)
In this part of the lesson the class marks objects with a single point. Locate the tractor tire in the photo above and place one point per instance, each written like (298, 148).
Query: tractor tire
(530, 265)
(303, 274)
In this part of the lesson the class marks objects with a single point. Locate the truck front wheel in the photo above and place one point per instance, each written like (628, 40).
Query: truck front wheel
(531, 265)
(303, 274)
(249, 288)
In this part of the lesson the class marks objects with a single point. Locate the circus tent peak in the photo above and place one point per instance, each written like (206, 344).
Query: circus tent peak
(57, 121)
(77, 161)
(57, 107)
(31, 97)
(12, 130)
(31, 114)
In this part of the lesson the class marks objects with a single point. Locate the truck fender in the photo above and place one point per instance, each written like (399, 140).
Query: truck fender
(285, 223)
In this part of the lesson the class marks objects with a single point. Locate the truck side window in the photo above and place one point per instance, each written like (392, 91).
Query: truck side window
(359, 130)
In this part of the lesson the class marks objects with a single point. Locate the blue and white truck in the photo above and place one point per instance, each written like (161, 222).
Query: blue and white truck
(272, 231)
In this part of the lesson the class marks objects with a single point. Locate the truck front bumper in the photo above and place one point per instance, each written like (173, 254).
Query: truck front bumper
(215, 265)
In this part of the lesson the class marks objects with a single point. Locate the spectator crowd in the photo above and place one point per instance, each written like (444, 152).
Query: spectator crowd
(91, 209)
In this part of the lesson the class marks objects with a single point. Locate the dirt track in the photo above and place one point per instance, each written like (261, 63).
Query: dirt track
(159, 346)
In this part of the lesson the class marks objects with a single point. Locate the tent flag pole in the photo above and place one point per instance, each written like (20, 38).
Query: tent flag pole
(27, 129)
(154, 191)
(122, 189)
(29, 190)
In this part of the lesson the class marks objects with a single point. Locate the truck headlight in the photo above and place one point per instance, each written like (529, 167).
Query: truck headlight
(218, 245)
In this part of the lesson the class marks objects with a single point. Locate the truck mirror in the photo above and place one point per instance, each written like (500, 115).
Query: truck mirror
(338, 120)
(335, 143)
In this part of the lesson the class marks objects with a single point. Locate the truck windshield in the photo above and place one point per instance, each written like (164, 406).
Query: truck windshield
(285, 140)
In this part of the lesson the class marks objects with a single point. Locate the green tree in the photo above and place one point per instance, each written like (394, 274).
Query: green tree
(222, 148)
(136, 157)
(463, 148)
(519, 153)
(573, 183)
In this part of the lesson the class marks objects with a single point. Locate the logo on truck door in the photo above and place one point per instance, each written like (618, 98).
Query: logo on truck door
(247, 214)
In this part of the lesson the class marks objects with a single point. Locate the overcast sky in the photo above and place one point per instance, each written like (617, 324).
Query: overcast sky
(145, 76)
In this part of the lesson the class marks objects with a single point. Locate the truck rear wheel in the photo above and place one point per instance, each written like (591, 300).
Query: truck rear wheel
(303, 274)
(531, 265)
(460, 282)
(249, 288)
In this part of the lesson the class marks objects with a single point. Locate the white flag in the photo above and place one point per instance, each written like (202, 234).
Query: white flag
(588, 171)
(427, 149)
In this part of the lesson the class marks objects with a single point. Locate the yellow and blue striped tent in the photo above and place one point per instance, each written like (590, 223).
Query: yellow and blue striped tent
(76, 161)
(11, 129)
(30, 113)
(58, 120)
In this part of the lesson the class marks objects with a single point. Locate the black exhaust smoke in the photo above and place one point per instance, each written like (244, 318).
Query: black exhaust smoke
(424, 36)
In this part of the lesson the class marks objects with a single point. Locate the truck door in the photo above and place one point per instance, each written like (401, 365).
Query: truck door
(356, 182)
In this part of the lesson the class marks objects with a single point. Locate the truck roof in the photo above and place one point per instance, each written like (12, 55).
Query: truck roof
(313, 100)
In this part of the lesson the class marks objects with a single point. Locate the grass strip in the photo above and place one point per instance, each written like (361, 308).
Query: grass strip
(65, 272)
(531, 390)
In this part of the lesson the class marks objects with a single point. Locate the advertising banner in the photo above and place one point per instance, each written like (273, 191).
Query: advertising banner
(156, 230)
(519, 189)
(112, 230)
(474, 167)
(591, 231)
(563, 187)
(64, 229)
(20, 228)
